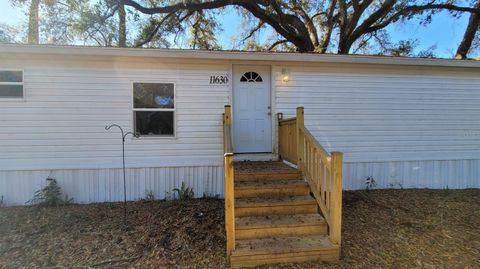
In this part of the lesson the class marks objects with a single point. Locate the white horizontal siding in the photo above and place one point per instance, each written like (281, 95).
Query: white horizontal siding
(60, 125)
(106, 185)
(393, 114)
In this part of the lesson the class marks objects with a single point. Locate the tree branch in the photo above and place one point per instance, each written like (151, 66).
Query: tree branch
(253, 31)
(154, 32)
(283, 41)
(472, 28)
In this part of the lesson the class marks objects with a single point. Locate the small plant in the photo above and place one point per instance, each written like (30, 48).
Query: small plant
(184, 193)
(370, 183)
(149, 196)
(50, 195)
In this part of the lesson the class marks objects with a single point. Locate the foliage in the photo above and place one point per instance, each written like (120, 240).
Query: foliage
(50, 195)
(2, 201)
(202, 32)
(370, 183)
(319, 26)
(184, 192)
(97, 23)
(149, 196)
(8, 33)
(313, 26)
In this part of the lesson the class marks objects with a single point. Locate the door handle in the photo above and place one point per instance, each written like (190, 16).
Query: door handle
(269, 113)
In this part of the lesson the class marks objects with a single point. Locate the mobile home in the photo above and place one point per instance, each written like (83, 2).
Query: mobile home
(406, 123)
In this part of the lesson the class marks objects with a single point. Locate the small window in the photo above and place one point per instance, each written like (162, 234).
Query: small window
(11, 84)
(154, 109)
(251, 77)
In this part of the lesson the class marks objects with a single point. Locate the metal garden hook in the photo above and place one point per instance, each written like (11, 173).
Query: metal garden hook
(124, 135)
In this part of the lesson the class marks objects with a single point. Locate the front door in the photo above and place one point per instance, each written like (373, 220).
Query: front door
(252, 119)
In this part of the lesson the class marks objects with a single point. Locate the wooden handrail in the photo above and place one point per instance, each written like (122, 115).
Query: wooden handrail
(287, 137)
(324, 155)
(322, 170)
(229, 180)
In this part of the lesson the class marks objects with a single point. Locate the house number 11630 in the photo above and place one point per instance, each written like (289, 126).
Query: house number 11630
(218, 80)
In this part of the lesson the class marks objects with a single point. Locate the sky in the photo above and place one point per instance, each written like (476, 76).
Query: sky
(445, 33)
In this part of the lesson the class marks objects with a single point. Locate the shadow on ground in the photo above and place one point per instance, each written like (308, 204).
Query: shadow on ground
(381, 229)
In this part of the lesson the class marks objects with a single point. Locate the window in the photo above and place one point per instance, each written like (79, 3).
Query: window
(11, 84)
(154, 109)
(251, 77)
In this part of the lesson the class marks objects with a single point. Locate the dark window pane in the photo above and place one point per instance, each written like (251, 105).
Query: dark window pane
(11, 76)
(153, 95)
(11, 91)
(154, 122)
(251, 77)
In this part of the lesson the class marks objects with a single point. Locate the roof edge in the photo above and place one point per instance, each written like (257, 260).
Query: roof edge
(231, 55)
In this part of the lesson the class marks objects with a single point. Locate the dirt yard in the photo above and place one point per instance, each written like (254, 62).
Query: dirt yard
(381, 229)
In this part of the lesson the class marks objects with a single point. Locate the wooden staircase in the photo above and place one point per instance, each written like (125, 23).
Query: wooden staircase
(276, 218)
(275, 213)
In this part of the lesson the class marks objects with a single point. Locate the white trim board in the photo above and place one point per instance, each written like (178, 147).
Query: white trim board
(8, 49)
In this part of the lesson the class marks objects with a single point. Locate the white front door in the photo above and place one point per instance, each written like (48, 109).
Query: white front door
(252, 119)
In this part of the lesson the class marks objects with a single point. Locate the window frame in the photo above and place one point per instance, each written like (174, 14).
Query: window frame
(174, 110)
(13, 99)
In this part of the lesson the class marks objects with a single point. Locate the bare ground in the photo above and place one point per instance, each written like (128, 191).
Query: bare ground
(381, 229)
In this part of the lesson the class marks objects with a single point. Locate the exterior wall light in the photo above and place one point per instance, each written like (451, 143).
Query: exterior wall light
(285, 74)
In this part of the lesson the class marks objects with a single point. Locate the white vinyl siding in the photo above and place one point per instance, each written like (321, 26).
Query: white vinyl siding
(405, 127)
(383, 117)
(62, 124)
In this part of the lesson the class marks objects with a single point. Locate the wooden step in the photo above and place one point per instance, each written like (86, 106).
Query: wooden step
(267, 188)
(268, 175)
(263, 206)
(254, 252)
(279, 225)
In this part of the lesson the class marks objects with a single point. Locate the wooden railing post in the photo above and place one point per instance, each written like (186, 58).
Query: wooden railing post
(336, 198)
(229, 205)
(228, 174)
(300, 141)
(227, 115)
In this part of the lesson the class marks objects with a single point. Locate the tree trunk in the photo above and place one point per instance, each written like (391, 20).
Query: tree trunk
(122, 28)
(469, 35)
(344, 45)
(33, 36)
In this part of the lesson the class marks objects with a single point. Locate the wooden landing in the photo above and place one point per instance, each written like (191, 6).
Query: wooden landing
(276, 218)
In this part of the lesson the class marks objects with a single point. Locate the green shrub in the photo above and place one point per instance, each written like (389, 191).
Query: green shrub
(149, 196)
(184, 193)
(370, 183)
(50, 195)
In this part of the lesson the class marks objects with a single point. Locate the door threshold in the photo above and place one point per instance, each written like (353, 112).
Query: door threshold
(255, 157)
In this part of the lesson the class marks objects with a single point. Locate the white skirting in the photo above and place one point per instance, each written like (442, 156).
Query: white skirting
(452, 174)
(106, 185)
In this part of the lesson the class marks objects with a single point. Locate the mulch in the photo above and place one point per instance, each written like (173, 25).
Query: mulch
(381, 229)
